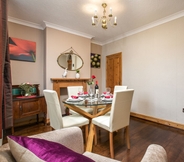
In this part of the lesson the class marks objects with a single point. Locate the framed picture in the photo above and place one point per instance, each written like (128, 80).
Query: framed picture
(22, 50)
(95, 60)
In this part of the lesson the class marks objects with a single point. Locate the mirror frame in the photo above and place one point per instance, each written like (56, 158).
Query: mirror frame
(67, 54)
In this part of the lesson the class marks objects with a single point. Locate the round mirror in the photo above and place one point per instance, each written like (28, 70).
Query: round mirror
(70, 60)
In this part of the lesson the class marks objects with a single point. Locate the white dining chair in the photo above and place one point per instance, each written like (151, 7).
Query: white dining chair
(119, 87)
(56, 119)
(73, 90)
(118, 117)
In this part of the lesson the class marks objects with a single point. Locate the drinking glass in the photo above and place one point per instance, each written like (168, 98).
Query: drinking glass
(108, 90)
(91, 92)
(80, 91)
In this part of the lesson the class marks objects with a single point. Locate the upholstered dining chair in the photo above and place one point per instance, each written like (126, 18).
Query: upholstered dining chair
(118, 117)
(73, 90)
(56, 119)
(119, 87)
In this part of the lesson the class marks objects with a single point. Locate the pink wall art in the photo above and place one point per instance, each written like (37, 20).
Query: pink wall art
(22, 50)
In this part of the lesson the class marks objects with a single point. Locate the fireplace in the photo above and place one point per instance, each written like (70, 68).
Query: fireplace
(65, 82)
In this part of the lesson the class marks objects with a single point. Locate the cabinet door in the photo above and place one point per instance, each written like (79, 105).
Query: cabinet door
(16, 110)
(43, 105)
(29, 107)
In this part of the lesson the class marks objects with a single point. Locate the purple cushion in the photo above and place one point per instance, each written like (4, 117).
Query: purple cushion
(50, 151)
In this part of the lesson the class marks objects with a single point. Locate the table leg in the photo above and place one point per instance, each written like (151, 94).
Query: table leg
(89, 145)
(95, 110)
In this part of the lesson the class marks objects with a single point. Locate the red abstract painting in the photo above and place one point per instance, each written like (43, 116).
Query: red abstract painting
(22, 50)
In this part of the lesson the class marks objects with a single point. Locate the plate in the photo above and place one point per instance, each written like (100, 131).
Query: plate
(107, 99)
(83, 95)
(74, 99)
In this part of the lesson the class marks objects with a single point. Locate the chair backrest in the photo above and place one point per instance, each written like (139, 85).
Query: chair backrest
(73, 90)
(53, 108)
(119, 87)
(120, 109)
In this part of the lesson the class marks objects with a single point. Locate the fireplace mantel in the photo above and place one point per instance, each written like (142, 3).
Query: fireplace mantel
(65, 82)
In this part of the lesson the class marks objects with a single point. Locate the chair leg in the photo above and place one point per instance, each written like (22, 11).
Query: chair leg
(86, 133)
(95, 132)
(111, 144)
(127, 137)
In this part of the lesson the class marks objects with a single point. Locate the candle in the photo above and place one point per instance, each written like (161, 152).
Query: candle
(93, 21)
(95, 12)
(110, 10)
(115, 19)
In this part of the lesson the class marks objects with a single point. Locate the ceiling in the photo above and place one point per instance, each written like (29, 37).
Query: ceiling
(74, 16)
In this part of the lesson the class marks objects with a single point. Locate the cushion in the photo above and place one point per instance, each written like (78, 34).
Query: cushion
(39, 150)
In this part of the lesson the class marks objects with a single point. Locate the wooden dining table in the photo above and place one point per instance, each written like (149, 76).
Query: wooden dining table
(100, 107)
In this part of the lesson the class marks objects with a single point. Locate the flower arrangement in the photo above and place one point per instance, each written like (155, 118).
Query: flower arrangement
(90, 82)
(27, 87)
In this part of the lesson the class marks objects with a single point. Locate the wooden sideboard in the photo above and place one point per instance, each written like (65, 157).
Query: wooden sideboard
(65, 82)
(28, 106)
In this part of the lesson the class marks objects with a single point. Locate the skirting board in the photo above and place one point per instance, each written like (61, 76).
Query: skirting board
(160, 121)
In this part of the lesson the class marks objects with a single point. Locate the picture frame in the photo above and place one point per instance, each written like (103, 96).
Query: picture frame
(95, 60)
(22, 50)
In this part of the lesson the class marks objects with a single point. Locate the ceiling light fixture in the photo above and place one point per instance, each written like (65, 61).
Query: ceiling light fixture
(104, 19)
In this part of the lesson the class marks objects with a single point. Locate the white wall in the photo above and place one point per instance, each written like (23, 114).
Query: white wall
(153, 65)
(97, 49)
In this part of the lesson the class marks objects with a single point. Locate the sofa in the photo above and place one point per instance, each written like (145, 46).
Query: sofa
(72, 139)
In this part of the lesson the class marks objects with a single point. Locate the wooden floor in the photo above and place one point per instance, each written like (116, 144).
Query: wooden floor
(142, 134)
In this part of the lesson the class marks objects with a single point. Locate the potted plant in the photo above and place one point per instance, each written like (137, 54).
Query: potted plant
(77, 75)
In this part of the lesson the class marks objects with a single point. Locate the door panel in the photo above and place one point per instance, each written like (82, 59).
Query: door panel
(113, 70)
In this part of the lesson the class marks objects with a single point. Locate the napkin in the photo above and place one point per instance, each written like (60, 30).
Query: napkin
(85, 93)
(107, 96)
(74, 97)
(80, 93)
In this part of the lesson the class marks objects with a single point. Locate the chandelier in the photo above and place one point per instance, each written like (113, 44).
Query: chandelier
(104, 19)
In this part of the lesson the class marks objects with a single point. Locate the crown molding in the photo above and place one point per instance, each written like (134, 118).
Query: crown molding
(25, 23)
(148, 26)
(96, 42)
(61, 28)
(47, 24)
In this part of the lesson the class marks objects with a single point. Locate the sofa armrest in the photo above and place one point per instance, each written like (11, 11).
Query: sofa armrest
(5, 154)
(154, 153)
(70, 137)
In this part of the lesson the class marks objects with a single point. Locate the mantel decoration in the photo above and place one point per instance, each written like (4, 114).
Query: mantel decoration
(27, 88)
(64, 75)
(104, 19)
(77, 75)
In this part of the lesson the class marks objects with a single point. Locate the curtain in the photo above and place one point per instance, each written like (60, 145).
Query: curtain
(6, 115)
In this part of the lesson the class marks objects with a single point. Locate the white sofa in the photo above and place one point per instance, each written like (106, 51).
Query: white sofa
(72, 138)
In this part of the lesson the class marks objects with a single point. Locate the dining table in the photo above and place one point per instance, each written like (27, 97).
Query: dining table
(100, 107)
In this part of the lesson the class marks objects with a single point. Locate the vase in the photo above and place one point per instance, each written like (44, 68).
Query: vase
(77, 75)
(27, 94)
